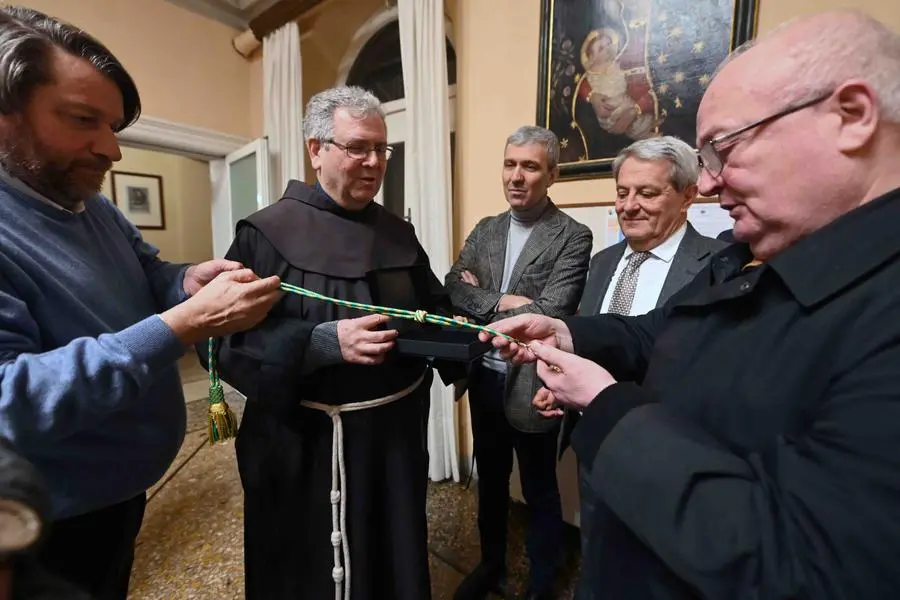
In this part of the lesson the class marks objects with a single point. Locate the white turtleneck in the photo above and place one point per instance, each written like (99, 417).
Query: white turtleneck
(521, 224)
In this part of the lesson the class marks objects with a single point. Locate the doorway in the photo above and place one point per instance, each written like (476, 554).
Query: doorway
(240, 185)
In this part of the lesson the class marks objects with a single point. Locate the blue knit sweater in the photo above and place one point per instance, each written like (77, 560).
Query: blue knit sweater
(89, 387)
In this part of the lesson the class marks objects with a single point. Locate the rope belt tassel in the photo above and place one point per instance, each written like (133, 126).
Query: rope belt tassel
(338, 493)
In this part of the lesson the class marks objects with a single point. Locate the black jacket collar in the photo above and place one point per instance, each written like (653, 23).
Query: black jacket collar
(828, 260)
(844, 251)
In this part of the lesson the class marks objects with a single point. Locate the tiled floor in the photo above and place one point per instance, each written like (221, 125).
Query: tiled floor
(190, 546)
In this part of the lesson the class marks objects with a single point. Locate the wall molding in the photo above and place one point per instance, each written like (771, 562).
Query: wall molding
(151, 133)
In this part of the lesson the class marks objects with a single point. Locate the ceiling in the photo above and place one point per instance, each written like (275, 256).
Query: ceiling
(234, 13)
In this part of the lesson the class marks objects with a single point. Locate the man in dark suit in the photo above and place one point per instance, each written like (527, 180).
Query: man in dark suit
(656, 182)
(532, 258)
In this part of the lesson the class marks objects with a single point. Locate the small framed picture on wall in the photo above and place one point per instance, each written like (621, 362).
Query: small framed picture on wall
(140, 198)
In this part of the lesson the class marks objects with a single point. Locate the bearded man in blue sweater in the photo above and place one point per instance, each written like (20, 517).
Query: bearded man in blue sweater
(92, 322)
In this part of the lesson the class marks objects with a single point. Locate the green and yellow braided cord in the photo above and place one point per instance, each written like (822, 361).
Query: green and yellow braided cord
(222, 422)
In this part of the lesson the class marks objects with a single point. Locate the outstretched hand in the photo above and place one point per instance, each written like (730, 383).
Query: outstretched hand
(235, 300)
(569, 380)
(527, 328)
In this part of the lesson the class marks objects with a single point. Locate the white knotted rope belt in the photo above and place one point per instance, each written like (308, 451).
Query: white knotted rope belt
(341, 573)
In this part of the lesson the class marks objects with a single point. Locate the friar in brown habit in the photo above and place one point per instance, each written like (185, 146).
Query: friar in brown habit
(332, 448)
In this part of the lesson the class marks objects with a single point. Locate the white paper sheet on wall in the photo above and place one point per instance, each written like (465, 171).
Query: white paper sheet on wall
(602, 222)
(709, 219)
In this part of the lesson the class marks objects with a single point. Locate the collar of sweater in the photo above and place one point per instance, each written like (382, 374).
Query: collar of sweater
(532, 214)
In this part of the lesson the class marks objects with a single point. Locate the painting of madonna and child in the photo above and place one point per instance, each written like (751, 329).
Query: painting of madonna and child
(616, 71)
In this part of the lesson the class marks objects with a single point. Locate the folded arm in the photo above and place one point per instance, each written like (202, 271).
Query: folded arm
(562, 292)
(475, 301)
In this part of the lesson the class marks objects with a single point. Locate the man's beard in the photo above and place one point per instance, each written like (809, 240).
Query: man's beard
(26, 159)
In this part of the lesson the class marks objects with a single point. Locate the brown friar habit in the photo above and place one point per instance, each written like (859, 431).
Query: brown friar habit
(284, 450)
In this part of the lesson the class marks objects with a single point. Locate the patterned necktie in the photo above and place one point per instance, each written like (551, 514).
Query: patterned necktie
(623, 294)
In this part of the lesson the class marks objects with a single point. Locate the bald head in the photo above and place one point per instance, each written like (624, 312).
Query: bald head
(802, 127)
(810, 55)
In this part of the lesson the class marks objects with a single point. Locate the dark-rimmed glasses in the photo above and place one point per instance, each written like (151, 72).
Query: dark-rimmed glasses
(709, 156)
(358, 151)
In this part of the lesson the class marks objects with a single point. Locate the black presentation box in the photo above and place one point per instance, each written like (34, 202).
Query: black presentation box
(445, 343)
(398, 288)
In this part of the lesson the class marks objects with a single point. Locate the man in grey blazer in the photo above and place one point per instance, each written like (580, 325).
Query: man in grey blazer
(656, 182)
(531, 258)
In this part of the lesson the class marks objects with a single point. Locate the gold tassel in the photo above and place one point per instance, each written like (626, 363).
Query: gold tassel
(222, 422)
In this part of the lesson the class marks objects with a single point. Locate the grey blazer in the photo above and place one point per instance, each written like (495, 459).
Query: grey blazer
(692, 255)
(551, 270)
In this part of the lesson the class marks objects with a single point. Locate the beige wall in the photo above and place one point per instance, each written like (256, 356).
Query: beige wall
(184, 65)
(187, 196)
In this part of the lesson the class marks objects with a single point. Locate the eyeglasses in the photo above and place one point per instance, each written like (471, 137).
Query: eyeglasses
(358, 151)
(709, 156)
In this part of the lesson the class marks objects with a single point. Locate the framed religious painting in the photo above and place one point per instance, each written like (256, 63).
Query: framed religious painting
(140, 198)
(616, 71)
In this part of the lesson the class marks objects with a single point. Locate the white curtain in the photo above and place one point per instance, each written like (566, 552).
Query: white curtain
(427, 181)
(283, 105)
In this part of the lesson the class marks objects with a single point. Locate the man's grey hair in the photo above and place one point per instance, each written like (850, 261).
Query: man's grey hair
(27, 41)
(841, 45)
(318, 119)
(685, 167)
(531, 134)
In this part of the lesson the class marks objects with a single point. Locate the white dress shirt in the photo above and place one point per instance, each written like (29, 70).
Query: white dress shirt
(651, 274)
